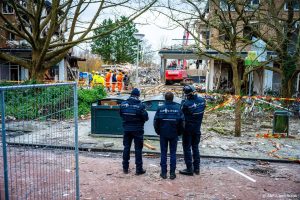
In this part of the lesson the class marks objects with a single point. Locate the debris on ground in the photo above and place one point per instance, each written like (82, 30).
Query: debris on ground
(149, 76)
(108, 144)
(149, 146)
(265, 170)
(220, 130)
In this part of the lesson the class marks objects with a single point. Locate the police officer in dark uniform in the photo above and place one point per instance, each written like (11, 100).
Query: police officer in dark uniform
(193, 109)
(168, 124)
(134, 116)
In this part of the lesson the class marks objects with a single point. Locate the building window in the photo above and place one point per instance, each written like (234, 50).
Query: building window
(14, 73)
(295, 5)
(207, 37)
(6, 8)
(297, 24)
(226, 5)
(248, 30)
(252, 5)
(224, 32)
(11, 36)
(23, 3)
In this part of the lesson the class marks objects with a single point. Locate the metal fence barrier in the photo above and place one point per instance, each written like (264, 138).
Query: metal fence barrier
(39, 142)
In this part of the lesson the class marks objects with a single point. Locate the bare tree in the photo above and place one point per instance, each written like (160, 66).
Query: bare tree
(279, 24)
(233, 24)
(40, 24)
(147, 54)
(228, 32)
(163, 41)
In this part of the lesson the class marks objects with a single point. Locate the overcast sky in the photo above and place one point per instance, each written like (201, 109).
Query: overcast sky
(158, 32)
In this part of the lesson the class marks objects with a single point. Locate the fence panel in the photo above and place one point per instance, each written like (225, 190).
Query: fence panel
(39, 142)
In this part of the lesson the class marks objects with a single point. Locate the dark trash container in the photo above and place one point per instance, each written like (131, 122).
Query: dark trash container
(281, 122)
(105, 118)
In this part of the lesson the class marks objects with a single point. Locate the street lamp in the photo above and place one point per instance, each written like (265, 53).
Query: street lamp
(139, 38)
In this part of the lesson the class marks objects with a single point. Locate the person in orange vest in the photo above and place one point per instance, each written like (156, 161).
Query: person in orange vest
(120, 80)
(107, 80)
(114, 81)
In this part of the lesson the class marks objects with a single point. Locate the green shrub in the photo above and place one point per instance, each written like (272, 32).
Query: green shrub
(88, 96)
(50, 102)
(37, 103)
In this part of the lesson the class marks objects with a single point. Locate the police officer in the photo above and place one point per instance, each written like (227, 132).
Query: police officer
(168, 124)
(193, 109)
(134, 116)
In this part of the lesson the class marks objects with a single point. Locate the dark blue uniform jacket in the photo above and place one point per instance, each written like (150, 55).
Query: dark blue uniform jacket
(133, 114)
(114, 78)
(193, 109)
(169, 120)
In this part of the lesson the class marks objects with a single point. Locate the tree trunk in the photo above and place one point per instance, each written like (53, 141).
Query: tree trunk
(286, 89)
(36, 74)
(237, 91)
(289, 65)
(237, 112)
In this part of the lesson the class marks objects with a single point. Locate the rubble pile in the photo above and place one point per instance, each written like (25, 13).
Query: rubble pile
(149, 76)
(161, 89)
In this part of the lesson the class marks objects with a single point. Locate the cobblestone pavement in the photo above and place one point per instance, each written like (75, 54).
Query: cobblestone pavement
(101, 177)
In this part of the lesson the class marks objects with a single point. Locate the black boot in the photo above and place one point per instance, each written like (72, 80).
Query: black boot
(197, 171)
(188, 172)
(163, 175)
(172, 175)
(140, 172)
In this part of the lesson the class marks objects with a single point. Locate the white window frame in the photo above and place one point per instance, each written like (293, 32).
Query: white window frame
(250, 6)
(295, 9)
(224, 35)
(10, 36)
(5, 4)
(13, 67)
(23, 3)
(297, 24)
(224, 6)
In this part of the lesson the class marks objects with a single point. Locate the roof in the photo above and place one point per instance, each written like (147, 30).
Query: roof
(18, 52)
(16, 49)
(192, 54)
(75, 58)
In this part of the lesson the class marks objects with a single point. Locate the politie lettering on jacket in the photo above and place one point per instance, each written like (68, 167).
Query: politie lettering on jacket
(129, 108)
(127, 105)
(168, 111)
(197, 108)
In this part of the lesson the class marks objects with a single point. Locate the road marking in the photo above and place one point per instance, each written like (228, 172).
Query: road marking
(240, 173)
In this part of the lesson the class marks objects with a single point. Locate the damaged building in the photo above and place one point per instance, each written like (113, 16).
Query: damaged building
(66, 70)
(218, 74)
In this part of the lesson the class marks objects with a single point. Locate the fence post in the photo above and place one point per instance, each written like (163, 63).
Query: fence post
(4, 145)
(76, 142)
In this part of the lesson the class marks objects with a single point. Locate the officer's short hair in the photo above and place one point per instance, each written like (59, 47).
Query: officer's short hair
(169, 96)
